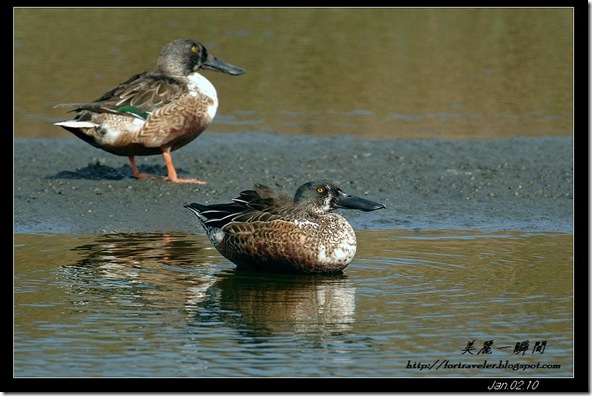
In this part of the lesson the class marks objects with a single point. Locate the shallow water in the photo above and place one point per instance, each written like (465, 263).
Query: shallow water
(456, 73)
(169, 305)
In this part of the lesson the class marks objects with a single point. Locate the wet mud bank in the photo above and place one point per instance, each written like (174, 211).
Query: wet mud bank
(519, 184)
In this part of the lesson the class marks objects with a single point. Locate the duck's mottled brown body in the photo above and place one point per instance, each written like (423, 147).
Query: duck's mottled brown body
(154, 112)
(266, 232)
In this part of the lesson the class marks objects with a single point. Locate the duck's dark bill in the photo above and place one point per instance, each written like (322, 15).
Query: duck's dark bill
(224, 67)
(347, 201)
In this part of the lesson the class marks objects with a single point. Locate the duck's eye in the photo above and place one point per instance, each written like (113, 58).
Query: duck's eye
(194, 49)
(320, 190)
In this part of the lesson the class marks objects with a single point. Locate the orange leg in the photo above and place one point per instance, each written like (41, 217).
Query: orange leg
(136, 172)
(173, 173)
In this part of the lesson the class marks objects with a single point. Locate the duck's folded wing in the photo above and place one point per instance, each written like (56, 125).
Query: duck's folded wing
(142, 93)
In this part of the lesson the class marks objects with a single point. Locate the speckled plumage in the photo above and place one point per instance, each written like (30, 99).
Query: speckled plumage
(154, 112)
(264, 231)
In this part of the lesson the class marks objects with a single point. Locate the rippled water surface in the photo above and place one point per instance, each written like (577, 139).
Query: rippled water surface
(170, 305)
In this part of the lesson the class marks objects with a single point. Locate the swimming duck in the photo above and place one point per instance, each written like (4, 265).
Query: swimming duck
(267, 231)
(154, 112)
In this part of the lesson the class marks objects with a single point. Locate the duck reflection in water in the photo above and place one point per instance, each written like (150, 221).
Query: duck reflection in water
(181, 279)
(156, 269)
(309, 304)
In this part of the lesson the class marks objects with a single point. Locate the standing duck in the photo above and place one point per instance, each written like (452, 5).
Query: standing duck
(154, 112)
(264, 231)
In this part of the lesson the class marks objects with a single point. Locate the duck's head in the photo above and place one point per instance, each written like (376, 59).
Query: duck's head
(181, 57)
(324, 196)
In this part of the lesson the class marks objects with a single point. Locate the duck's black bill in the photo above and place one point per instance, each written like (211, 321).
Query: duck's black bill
(219, 65)
(347, 201)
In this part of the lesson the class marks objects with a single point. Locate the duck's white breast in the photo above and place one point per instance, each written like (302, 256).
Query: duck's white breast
(200, 86)
(338, 242)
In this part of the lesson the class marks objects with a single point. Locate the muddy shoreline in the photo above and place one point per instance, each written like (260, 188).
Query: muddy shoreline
(519, 184)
